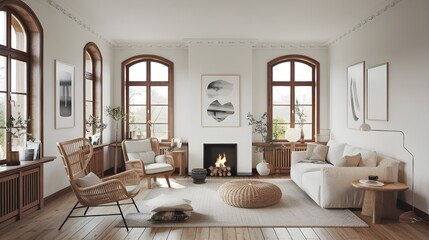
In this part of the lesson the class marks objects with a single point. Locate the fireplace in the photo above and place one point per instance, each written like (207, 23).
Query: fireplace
(220, 158)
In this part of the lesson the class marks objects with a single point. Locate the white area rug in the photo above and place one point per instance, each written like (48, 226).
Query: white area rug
(295, 209)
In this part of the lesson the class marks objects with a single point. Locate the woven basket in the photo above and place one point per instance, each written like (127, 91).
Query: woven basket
(250, 194)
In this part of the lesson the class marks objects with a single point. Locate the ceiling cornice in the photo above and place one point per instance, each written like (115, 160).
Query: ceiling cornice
(77, 20)
(256, 44)
(365, 21)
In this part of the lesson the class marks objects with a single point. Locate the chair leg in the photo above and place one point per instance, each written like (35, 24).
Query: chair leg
(86, 210)
(122, 215)
(168, 181)
(135, 205)
(149, 183)
(68, 216)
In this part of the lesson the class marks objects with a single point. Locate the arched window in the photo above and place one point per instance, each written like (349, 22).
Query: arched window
(148, 96)
(20, 74)
(93, 86)
(293, 96)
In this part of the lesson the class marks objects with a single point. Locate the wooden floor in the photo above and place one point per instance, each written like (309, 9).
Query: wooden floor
(43, 224)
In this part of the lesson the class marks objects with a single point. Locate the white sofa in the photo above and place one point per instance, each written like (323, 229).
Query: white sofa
(330, 186)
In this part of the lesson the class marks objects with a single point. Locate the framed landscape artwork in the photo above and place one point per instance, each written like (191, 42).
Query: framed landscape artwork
(64, 95)
(355, 95)
(220, 100)
(377, 92)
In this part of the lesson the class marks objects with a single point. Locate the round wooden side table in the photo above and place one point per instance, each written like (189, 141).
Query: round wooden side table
(380, 202)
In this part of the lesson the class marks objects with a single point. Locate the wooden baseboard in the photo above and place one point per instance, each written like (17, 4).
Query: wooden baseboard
(57, 194)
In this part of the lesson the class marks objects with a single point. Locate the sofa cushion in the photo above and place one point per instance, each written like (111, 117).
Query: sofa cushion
(319, 153)
(349, 161)
(157, 168)
(369, 158)
(335, 151)
(311, 184)
(302, 168)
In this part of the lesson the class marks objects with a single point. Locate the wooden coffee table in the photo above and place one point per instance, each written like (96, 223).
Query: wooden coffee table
(380, 202)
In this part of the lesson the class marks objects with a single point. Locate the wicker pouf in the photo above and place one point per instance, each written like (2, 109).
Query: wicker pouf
(250, 194)
(199, 175)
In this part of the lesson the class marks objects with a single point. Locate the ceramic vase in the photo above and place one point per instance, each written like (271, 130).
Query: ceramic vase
(262, 168)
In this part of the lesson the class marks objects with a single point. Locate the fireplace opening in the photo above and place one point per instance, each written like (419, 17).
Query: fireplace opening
(220, 159)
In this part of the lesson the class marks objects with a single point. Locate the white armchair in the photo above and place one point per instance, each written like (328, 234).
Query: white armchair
(143, 157)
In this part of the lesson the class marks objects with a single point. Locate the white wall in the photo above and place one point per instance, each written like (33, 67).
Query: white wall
(64, 40)
(400, 37)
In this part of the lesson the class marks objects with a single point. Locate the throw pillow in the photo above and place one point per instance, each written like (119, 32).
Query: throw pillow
(147, 157)
(160, 159)
(319, 153)
(169, 216)
(369, 159)
(89, 180)
(166, 203)
(349, 161)
(310, 149)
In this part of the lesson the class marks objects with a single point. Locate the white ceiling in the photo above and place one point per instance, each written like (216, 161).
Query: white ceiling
(289, 21)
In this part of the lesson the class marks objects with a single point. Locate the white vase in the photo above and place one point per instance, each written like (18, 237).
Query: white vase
(262, 168)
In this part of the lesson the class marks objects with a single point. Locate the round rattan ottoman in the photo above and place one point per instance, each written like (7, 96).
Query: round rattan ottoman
(250, 193)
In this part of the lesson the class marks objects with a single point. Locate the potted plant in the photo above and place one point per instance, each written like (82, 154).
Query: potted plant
(17, 129)
(94, 127)
(261, 127)
(301, 116)
(116, 114)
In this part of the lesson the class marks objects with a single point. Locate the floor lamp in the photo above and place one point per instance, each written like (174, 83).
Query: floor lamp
(410, 216)
(293, 135)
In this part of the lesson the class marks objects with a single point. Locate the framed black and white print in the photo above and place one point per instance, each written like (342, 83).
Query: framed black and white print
(355, 95)
(220, 100)
(64, 95)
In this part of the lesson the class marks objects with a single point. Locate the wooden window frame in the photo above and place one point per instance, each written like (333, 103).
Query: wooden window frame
(34, 51)
(97, 87)
(315, 92)
(170, 84)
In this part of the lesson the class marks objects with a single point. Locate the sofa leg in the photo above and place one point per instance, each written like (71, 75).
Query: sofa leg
(149, 183)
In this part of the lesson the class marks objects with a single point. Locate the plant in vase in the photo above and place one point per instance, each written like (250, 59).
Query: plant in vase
(301, 116)
(17, 129)
(117, 115)
(93, 127)
(261, 127)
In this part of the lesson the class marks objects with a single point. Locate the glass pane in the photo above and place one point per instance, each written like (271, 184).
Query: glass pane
(137, 95)
(3, 28)
(88, 109)
(279, 129)
(159, 114)
(137, 114)
(19, 108)
(159, 95)
(303, 95)
(88, 90)
(160, 131)
(19, 37)
(19, 76)
(281, 72)
(303, 72)
(88, 62)
(158, 72)
(2, 73)
(281, 95)
(303, 114)
(281, 114)
(2, 123)
(308, 131)
(139, 131)
(137, 72)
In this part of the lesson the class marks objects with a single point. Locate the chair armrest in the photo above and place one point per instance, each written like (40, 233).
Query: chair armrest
(132, 164)
(106, 192)
(170, 160)
(129, 177)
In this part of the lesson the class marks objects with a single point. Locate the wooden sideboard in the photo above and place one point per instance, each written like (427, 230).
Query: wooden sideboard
(96, 165)
(21, 189)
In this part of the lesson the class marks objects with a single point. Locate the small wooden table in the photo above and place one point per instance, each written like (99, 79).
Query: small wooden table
(179, 156)
(116, 146)
(380, 202)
